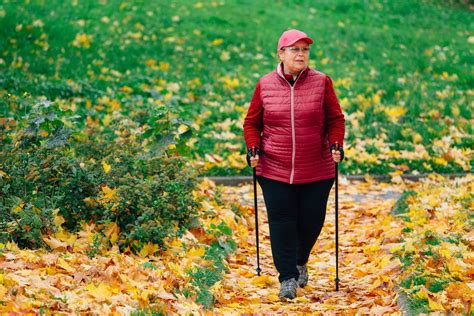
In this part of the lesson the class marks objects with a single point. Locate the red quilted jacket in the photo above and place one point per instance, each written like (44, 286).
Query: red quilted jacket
(294, 134)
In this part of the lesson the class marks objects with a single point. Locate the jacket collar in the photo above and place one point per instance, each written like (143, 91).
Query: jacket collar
(280, 73)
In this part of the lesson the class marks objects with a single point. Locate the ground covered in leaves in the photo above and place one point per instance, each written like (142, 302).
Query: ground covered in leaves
(366, 267)
(403, 246)
(376, 254)
(81, 275)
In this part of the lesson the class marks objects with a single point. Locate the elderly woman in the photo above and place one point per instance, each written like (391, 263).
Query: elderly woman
(294, 132)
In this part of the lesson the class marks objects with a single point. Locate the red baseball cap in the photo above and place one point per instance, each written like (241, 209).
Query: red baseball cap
(290, 37)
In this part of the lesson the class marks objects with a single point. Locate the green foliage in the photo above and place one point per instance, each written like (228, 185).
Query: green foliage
(438, 285)
(147, 312)
(418, 305)
(406, 260)
(401, 206)
(205, 277)
(51, 169)
(149, 265)
(406, 283)
(94, 248)
(431, 238)
(27, 226)
(454, 238)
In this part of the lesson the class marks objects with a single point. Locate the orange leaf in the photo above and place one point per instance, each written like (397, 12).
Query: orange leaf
(459, 290)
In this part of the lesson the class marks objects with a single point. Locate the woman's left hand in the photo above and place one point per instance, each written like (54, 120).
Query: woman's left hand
(337, 152)
(336, 155)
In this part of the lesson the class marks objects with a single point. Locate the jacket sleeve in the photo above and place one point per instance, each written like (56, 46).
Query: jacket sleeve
(253, 123)
(335, 122)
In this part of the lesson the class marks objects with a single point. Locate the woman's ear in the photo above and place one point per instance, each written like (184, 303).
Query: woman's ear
(279, 52)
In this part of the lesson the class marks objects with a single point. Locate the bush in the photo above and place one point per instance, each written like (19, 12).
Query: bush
(49, 169)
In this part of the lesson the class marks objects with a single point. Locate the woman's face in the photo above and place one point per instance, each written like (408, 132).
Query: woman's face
(295, 58)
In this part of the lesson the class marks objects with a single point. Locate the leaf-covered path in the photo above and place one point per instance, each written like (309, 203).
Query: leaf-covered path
(367, 232)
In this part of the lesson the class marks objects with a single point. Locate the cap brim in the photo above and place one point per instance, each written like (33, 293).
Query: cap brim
(307, 39)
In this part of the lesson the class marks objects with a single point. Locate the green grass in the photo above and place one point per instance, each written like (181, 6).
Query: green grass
(401, 206)
(147, 312)
(418, 306)
(437, 285)
(398, 50)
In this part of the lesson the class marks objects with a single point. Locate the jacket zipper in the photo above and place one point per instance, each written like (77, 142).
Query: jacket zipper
(293, 133)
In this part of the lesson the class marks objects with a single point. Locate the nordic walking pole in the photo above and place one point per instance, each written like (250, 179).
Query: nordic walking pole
(337, 225)
(256, 212)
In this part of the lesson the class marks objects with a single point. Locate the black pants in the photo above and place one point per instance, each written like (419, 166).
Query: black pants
(296, 214)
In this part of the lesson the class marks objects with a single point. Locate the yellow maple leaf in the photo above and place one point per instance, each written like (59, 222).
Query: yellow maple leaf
(82, 40)
(376, 99)
(58, 219)
(263, 281)
(300, 299)
(108, 192)
(217, 41)
(217, 290)
(459, 290)
(230, 83)
(237, 160)
(176, 268)
(114, 105)
(444, 250)
(370, 248)
(454, 267)
(396, 248)
(417, 138)
(112, 232)
(440, 161)
(435, 306)
(66, 237)
(3, 291)
(164, 66)
(422, 293)
(106, 167)
(409, 246)
(273, 298)
(106, 121)
(126, 89)
(101, 293)
(384, 261)
(55, 243)
(196, 252)
(63, 264)
(395, 113)
(150, 62)
(148, 249)
(183, 128)
(18, 208)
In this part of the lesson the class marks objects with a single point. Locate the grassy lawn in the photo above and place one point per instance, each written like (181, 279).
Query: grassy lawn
(402, 70)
